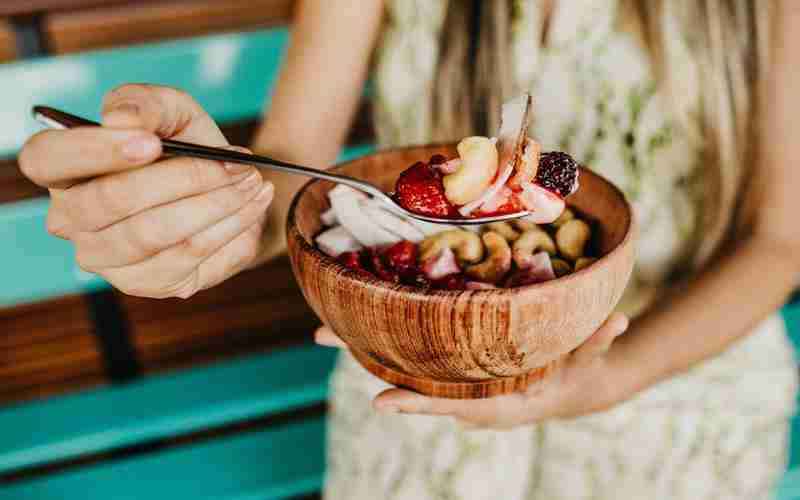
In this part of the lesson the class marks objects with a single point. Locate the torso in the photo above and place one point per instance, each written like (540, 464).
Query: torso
(595, 97)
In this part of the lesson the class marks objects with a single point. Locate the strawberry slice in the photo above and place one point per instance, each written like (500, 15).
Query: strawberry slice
(419, 189)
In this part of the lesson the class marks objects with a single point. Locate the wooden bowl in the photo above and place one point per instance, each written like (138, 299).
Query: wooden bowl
(461, 344)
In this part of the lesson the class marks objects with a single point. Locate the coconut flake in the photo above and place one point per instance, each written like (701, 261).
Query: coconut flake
(336, 241)
(328, 217)
(545, 207)
(444, 264)
(391, 222)
(346, 202)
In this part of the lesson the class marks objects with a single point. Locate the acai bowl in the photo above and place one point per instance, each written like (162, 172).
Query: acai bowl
(462, 343)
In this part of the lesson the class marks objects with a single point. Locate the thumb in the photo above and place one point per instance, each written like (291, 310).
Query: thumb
(165, 111)
(600, 342)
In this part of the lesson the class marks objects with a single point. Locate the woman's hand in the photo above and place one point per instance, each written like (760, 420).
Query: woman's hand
(584, 383)
(152, 227)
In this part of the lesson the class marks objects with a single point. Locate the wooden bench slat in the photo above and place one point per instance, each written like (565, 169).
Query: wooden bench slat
(8, 44)
(228, 74)
(28, 7)
(279, 463)
(63, 428)
(138, 22)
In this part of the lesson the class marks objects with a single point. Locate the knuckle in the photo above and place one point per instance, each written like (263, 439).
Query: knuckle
(249, 247)
(124, 92)
(145, 235)
(108, 198)
(198, 247)
(82, 260)
(199, 175)
(27, 160)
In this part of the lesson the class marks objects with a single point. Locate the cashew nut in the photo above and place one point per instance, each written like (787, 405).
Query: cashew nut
(497, 263)
(465, 244)
(561, 267)
(566, 216)
(505, 230)
(531, 242)
(478, 169)
(584, 262)
(572, 238)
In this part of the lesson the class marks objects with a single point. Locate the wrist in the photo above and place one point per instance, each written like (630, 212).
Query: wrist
(628, 374)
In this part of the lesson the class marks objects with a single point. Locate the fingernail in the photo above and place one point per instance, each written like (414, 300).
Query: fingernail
(250, 182)
(236, 168)
(123, 115)
(265, 193)
(141, 147)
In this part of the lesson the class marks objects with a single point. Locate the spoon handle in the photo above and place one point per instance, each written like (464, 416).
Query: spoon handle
(54, 118)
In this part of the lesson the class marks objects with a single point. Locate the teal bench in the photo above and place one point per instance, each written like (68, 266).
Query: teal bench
(230, 76)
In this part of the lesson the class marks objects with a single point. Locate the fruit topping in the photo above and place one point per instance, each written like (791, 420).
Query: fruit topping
(402, 257)
(558, 172)
(545, 206)
(478, 169)
(337, 240)
(526, 166)
(540, 269)
(440, 265)
(420, 190)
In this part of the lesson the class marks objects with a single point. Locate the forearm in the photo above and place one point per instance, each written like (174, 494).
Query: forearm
(316, 96)
(720, 306)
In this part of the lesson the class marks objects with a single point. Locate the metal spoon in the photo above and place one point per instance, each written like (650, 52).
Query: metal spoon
(54, 118)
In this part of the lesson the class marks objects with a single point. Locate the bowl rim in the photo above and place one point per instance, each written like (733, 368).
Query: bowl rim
(368, 279)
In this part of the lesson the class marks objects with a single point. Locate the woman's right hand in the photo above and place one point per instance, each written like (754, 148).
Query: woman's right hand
(152, 227)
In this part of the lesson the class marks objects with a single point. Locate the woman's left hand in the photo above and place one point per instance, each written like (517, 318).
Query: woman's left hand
(584, 383)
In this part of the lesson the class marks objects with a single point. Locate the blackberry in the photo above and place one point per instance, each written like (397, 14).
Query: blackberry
(558, 172)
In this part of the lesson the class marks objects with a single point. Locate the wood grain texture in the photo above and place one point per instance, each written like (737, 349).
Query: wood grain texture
(8, 44)
(462, 344)
(138, 22)
(46, 349)
(26, 7)
(257, 310)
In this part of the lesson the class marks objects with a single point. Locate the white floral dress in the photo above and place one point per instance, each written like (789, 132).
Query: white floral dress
(718, 431)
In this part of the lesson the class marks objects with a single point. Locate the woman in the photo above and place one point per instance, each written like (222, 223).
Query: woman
(666, 98)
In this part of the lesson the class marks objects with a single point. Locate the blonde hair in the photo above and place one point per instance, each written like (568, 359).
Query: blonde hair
(728, 40)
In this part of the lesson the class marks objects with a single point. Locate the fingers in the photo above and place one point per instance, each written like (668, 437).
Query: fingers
(165, 111)
(326, 337)
(600, 342)
(186, 268)
(55, 158)
(94, 205)
(148, 233)
(498, 411)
